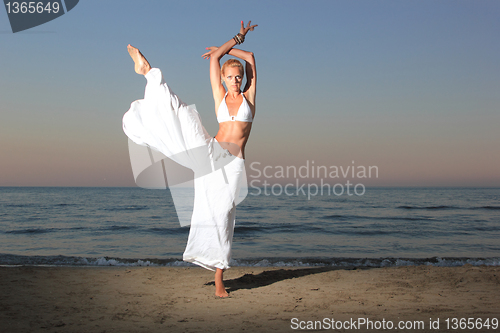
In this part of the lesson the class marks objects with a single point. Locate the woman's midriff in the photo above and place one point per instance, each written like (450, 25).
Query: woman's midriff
(233, 136)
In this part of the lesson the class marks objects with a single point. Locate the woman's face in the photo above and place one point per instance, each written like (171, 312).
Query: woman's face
(233, 78)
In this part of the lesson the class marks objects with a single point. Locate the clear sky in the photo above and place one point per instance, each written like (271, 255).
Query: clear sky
(411, 87)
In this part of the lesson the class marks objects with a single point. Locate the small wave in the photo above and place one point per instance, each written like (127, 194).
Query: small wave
(113, 262)
(367, 262)
(248, 229)
(119, 228)
(444, 207)
(429, 207)
(307, 208)
(360, 217)
(486, 207)
(335, 216)
(65, 205)
(79, 228)
(114, 209)
(242, 230)
(168, 231)
(258, 208)
(33, 231)
(18, 260)
(20, 205)
(405, 218)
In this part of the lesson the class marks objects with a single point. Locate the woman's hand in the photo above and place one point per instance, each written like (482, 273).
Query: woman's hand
(211, 50)
(244, 30)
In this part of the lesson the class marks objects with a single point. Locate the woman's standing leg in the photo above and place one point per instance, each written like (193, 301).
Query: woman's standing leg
(220, 290)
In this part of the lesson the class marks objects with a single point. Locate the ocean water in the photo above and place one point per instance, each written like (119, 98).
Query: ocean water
(135, 226)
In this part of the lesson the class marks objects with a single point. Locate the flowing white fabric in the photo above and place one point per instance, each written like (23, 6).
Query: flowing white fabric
(161, 121)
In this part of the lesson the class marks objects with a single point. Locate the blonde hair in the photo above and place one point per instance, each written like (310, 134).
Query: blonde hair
(232, 63)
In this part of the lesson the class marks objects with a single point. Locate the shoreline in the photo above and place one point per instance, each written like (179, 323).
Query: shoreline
(20, 260)
(168, 299)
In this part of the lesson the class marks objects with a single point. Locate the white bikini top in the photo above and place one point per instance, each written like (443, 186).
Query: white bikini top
(244, 112)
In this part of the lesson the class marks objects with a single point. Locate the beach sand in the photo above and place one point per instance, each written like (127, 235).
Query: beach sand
(165, 299)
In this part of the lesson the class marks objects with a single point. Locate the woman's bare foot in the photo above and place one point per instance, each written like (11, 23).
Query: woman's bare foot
(141, 64)
(220, 291)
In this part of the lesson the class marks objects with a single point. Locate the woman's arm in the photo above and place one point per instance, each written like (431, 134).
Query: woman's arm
(215, 69)
(250, 71)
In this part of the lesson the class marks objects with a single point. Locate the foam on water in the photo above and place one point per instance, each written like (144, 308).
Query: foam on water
(15, 260)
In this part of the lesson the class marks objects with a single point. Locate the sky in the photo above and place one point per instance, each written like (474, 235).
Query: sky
(411, 87)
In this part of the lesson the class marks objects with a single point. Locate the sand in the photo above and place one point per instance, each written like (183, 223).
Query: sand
(161, 299)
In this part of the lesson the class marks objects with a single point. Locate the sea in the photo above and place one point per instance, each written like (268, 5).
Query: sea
(384, 227)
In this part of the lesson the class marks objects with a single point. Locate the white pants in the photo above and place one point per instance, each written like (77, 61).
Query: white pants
(162, 122)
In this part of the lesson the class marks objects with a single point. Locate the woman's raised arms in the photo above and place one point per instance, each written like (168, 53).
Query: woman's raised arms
(250, 70)
(215, 54)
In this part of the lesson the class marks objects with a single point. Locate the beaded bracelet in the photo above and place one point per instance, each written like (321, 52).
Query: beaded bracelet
(239, 38)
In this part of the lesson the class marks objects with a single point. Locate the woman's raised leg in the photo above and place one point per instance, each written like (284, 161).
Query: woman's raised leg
(141, 64)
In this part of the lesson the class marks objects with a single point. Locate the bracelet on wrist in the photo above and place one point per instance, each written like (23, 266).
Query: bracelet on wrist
(239, 38)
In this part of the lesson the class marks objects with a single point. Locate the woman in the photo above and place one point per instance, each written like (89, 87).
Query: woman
(163, 122)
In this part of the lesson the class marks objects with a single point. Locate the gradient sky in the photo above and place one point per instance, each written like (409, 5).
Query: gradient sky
(411, 87)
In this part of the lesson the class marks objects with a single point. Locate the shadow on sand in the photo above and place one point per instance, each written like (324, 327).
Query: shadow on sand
(265, 278)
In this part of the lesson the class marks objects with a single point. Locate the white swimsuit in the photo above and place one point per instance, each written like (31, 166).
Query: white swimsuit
(244, 112)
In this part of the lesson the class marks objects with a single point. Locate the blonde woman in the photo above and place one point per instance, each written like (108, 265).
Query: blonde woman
(163, 122)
